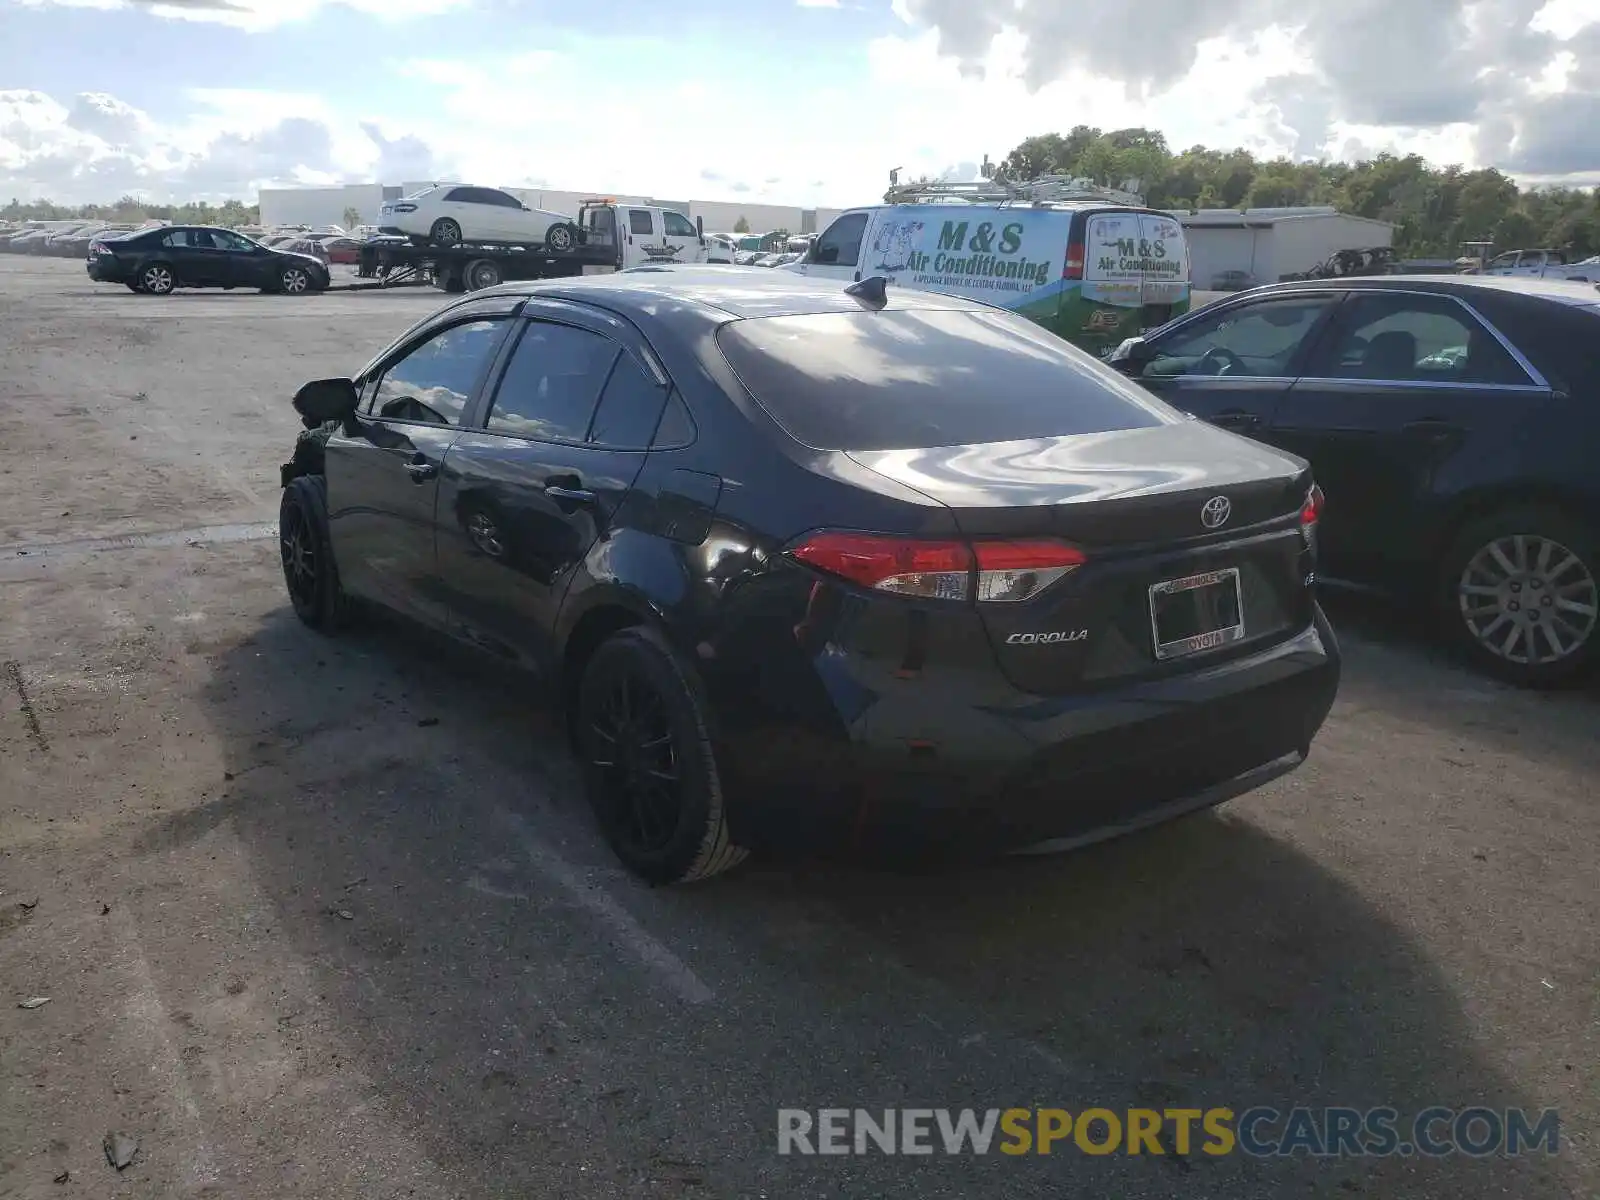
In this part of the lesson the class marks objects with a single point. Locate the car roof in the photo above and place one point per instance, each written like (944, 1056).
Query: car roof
(1561, 290)
(720, 292)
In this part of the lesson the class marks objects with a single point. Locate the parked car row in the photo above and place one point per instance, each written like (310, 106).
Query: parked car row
(59, 239)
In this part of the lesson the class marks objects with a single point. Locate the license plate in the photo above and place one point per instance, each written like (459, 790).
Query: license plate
(1196, 613)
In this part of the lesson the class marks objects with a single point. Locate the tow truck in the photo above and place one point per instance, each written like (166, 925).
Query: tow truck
(612, 236)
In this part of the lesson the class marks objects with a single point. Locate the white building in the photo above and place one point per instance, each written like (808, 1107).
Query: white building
(323, 205)
(1268, 243)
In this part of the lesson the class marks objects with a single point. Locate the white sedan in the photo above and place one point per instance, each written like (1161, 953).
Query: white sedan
(447, 214)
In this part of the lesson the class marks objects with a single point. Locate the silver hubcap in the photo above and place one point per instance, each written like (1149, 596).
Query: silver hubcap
(449, 233)
(294, 281)
(158, 280)
(1529, 600)
(484, 277)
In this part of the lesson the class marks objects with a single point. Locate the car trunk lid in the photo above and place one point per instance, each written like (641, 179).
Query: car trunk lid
(1175, 502)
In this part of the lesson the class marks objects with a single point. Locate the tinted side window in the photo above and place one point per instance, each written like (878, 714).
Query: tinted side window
(188, 239)
(630, 408)
(501, 199)
(677, 426)
(678, 225)
(434, 381)
(550, 385)
(639, 221)
(913, 378)
(840, 243)
(1414, 339)
(233, 241)
(1253, 339)
(461, 195)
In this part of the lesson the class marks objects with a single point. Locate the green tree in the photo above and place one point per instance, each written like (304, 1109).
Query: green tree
(352, 217)
(741, 225)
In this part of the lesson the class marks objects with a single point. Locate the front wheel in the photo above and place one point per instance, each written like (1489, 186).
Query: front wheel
(649, 767)
(1520, 589)
(309, 571)
(561, 238)
(294, 281)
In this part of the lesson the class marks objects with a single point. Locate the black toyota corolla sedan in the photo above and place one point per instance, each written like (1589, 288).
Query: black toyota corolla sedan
(804, 561)
(155, 261)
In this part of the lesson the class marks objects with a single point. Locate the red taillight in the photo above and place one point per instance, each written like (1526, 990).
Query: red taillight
(940, 569)
(1074, 264)
(1311, 510)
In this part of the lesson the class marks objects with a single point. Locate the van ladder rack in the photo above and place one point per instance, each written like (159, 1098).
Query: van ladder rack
(1047, 189)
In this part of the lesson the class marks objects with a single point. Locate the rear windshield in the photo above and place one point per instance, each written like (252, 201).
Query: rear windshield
(914, 379)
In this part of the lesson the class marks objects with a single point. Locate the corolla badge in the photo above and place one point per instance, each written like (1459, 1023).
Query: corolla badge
(1047, 639)
(1214, 513)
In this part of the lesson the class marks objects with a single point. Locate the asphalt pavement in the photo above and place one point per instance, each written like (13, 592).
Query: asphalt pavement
(327, 917)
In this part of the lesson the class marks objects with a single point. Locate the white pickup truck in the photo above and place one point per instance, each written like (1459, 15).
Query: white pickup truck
(1542, 264)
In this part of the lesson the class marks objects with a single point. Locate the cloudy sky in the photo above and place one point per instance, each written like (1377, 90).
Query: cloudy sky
(793, 101)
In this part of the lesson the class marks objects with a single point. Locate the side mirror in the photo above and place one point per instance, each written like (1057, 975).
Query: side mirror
(1132, 356)
(324, 400)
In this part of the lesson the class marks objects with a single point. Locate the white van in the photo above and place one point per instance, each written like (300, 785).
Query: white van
(1092, 272)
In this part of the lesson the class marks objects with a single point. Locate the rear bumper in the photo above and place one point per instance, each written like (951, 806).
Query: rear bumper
(103, 270)
(1006, 769)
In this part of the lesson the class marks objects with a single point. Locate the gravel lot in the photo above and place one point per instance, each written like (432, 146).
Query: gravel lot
(327, 918)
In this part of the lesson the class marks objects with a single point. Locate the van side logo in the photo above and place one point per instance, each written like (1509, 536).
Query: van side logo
(1214, 513)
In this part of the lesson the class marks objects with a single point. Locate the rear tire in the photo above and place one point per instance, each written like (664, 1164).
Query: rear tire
(1519, 590)
(648, 761)
(157, 279)
(482, 273)
(309, 572)
(561, 238)
(445, 232)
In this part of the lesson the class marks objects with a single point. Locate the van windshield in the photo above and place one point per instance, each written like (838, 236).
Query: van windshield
(918, 378)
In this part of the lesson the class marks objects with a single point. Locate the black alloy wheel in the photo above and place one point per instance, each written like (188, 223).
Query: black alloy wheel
(309, 573)
(648, 761)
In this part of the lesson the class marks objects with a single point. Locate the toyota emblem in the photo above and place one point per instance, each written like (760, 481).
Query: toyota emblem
(1214, 513)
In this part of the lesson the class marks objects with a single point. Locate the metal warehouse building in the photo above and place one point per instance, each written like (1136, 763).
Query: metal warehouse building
(1268, 243)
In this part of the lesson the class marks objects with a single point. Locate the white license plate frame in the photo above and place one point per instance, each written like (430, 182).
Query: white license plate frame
(1198, 643)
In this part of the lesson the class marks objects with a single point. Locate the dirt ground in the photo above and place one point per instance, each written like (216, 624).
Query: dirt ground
(327, 918)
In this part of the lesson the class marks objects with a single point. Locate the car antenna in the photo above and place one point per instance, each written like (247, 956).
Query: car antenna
(873, 292)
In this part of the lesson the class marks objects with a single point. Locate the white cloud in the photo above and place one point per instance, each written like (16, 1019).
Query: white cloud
(818, 3)
(671, 122)
(260, 15)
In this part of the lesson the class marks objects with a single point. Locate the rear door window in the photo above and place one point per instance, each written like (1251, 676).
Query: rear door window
(639, 221)
(552, 382)
(918, 378)
(1408, 338)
